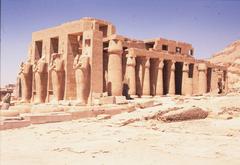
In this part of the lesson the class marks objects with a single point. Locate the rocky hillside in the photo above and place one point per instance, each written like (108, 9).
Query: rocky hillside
(230, 56)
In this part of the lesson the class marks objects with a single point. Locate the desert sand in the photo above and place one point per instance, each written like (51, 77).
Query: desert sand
(140, 140)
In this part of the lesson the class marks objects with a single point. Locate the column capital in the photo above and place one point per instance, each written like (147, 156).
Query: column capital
(160, 64)
(115, 47)
(131, 61)
(185, 67)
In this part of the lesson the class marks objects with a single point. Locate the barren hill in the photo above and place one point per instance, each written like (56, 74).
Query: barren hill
(230, 56)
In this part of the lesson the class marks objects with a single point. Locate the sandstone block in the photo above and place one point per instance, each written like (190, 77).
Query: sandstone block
(11, 124)
(184, 114)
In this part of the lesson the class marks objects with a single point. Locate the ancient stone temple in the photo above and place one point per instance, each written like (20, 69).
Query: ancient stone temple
(79, 59)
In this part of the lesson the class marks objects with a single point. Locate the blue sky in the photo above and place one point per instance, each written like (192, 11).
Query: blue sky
(209, 25)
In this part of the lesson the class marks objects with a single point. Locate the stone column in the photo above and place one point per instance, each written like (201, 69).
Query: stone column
(146, 78)
(159, 85)
(195, 79)
(226, 82)
(131, 74)
(214, 81)
(185, 72)
(202, 86)
(171, 89)
(26, 81)
(115, 51)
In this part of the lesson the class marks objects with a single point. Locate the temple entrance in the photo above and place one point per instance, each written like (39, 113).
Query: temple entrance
(178, 78)
(209, 78)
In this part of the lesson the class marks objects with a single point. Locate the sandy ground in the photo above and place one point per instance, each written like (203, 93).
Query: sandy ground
(93, 141)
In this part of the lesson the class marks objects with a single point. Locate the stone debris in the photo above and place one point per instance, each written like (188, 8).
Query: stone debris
(184, 114)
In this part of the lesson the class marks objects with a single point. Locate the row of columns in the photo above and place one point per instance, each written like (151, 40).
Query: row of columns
(141, 70)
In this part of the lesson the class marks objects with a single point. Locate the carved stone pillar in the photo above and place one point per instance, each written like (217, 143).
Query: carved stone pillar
(131, 74)
(195, 79)
(159, 83)
(115, 51)
(82, 75)
(171, 90)
(202, 86)
(185, 72)
(58, 76)
(146, 77)
(41, 81)
(26, 82)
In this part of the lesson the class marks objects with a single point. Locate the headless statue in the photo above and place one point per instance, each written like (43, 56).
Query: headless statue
(40, 75)
(26, 81)
(57, 73)
(82, 75)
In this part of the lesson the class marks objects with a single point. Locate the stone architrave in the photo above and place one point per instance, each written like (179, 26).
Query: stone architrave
(26, 81)
(40, 75)
(146, 78)
(131, 74)
(81, 65)
(115, 51)
(171, 90)
(57, 72)
(159, 85)
(202, 86)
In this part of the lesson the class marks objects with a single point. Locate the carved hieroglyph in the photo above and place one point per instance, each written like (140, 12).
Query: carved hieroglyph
(82, 74)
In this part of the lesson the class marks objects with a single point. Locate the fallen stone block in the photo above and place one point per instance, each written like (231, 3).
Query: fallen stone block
(184, 114)
(145, 104)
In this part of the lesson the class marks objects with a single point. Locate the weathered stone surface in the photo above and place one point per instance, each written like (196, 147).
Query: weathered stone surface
(41, 118)
(46, 109)
(120, 100)
(107, 100)
(11, 124)
(184, 114)
(9, 113)
(82, 76)
(145, 103)
(24, 108)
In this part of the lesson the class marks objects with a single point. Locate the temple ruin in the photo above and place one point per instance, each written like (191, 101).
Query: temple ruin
(83, 59)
